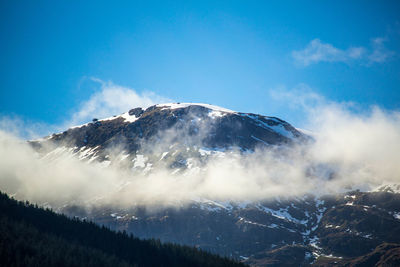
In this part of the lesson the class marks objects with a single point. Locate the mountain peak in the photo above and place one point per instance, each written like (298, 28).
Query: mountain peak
(185, 105)
(174, 126)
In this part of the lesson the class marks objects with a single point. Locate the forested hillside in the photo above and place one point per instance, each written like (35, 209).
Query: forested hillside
(31, 236)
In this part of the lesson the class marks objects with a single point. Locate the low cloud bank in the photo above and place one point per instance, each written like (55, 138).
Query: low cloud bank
(350, 150)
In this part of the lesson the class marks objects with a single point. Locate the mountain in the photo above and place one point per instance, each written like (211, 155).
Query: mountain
(31, 236)
(353, 228)
(168, 128)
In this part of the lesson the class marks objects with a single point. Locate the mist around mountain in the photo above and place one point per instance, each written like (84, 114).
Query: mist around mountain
(242, 185)
(169, 156)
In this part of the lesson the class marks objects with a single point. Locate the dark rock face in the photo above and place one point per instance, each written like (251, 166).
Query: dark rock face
(136, 112)
(386, 254)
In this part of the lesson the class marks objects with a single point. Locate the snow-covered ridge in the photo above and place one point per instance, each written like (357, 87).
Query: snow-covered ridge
(185, 105)
(389, 187)
(271, 124)
(216, 112)
(125, 116)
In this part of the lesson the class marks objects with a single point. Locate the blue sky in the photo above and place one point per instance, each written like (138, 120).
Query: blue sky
(58, 56)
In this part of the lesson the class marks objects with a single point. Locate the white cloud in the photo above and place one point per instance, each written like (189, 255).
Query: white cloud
(380, 53)
(301, 97)
(112, 100)
(24, 128)
(361, 145)
(317, 51)
(109, 100)
(349, 149)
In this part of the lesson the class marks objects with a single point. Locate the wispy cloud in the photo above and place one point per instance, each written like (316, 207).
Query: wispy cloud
(108, 100)
(24, 128)
(317, 51)
(111, 100)
(379, 53)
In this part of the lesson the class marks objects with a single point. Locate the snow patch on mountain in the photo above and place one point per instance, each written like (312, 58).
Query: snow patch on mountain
(126, 116)
(139, 161)
(282, 214)
(390, 187)
(277, 127)
(216, 113)
(129, 118)
(282, 131)
(185, 105)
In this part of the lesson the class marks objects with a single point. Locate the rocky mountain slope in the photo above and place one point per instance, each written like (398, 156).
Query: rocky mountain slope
(347, 229)
(343, 228)
(170, 129)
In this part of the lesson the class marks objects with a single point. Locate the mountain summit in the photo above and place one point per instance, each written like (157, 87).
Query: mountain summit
(165, 128)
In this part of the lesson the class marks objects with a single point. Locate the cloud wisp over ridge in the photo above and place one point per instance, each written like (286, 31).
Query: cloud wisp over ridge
(112, 99)
(108, 100)
(317, 51)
